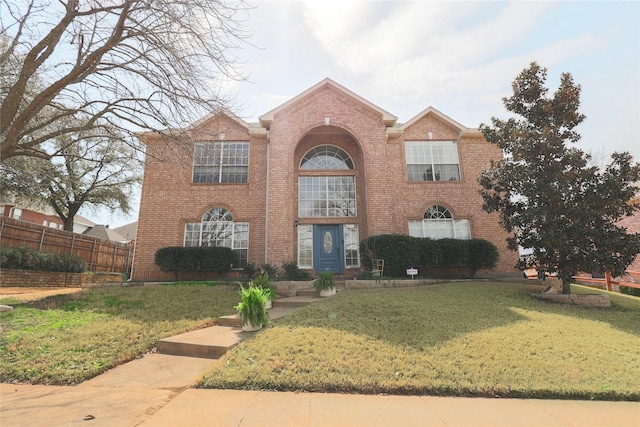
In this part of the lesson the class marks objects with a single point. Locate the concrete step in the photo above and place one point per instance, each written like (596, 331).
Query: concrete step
(297, 301)
(210, 343)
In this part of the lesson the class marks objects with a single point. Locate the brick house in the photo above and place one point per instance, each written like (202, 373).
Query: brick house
(310, 180)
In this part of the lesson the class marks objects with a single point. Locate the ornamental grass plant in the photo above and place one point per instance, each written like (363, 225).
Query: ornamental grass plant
(465, 339)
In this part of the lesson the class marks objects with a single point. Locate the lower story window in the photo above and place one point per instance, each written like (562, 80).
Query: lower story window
(351, 246)
(218, 229)
(439, 223)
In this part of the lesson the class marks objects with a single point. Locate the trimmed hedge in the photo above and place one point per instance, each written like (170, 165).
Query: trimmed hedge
(24, 258)
(400, 252)
(629, 290)
(188, 259)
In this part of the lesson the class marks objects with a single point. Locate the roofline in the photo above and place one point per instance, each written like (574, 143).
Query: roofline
(387, 118)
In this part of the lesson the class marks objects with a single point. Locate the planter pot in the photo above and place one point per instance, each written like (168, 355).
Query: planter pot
(251, 328)
(268, 304)
(375, 273)
(327, 292)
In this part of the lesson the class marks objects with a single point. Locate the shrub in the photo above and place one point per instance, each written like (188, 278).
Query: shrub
(630, 291)
(181, 259)
(401, 252)
(482, 254)
(269, 270)
(24, 258)
(249, 271)
(292, 272)
(398, 252)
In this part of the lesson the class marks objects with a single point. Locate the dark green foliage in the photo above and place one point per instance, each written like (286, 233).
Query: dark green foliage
(178, 259)
(400, 252)
(249, 271)
(24, 258)
(453, 252)
(482, 254)
(292, 272)
(630, 291)
(549, 198)
(270, 270)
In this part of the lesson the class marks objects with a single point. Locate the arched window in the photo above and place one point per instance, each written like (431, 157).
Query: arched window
(217, 228)
(326, 157)
(439, 223)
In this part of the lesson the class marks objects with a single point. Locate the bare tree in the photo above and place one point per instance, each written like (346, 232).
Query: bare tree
(92, 169)
(138, 65)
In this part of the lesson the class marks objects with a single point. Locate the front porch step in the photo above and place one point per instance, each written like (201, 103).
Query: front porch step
(297, 301)
(209, 343)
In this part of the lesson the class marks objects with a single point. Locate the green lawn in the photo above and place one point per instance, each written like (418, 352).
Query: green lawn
(67, 339)
(476, 339)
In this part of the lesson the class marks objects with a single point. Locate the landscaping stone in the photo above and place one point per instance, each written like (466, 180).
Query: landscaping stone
(5, 307)
(592, 300)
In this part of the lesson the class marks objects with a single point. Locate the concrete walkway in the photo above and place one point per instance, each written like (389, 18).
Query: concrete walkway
(156, 390)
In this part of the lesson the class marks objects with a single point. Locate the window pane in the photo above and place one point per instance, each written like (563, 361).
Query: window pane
(438, 228)
(432, 161)
(463, 229)
(322, 196)
(351, 246)
(415, 229)
(326, 157)
(216, 162)
(305, 246)
(192, 234)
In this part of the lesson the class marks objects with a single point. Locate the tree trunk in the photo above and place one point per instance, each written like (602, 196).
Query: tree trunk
(566, 285)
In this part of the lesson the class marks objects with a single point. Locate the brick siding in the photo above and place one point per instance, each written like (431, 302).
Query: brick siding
(386, 201)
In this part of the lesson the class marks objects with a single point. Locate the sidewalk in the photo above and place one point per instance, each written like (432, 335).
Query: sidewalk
(156, 390)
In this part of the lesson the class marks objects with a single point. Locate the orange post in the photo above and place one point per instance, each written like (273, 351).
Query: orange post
(607, 278)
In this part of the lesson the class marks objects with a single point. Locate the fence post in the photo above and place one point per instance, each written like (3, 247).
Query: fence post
(73, 241)
(113, 263)
(607, 279)
(93, 252)
(41, 240)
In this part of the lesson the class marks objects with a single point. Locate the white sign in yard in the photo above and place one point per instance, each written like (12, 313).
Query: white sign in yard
(412, 272)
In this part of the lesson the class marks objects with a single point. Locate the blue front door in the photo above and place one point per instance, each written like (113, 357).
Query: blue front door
(328, 248)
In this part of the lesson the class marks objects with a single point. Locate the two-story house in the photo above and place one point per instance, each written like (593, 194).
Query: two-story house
(310, 180)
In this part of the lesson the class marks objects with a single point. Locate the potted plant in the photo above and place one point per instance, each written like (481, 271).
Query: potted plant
(252, 308)
(325, 284)
(263, 283)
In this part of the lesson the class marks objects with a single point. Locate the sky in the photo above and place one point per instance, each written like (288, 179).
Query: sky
(459, 57)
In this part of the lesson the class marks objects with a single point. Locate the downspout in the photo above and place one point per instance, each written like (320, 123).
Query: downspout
(266, 201)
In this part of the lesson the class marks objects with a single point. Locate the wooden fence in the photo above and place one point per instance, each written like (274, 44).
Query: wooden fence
(99, 254)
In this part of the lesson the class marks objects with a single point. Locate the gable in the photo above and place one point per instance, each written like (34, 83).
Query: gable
(432, 124)
(327, 84)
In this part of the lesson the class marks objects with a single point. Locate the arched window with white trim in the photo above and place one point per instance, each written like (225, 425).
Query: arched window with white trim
(217, 228)
(439, 223)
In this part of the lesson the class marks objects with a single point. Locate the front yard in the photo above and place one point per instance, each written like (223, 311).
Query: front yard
(474, 339)
(480, 339)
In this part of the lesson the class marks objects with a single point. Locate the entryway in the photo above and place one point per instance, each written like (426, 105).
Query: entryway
(328, 250)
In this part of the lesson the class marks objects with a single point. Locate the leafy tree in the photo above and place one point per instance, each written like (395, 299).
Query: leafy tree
(92, 168)
(139, 65)
(547, 195)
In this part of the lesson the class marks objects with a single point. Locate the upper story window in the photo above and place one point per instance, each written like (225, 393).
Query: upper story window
(432, 161)
(326, 157)
(439, 223)
(221, 162)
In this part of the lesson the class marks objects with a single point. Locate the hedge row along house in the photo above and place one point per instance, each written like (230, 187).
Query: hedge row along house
(314, 177)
